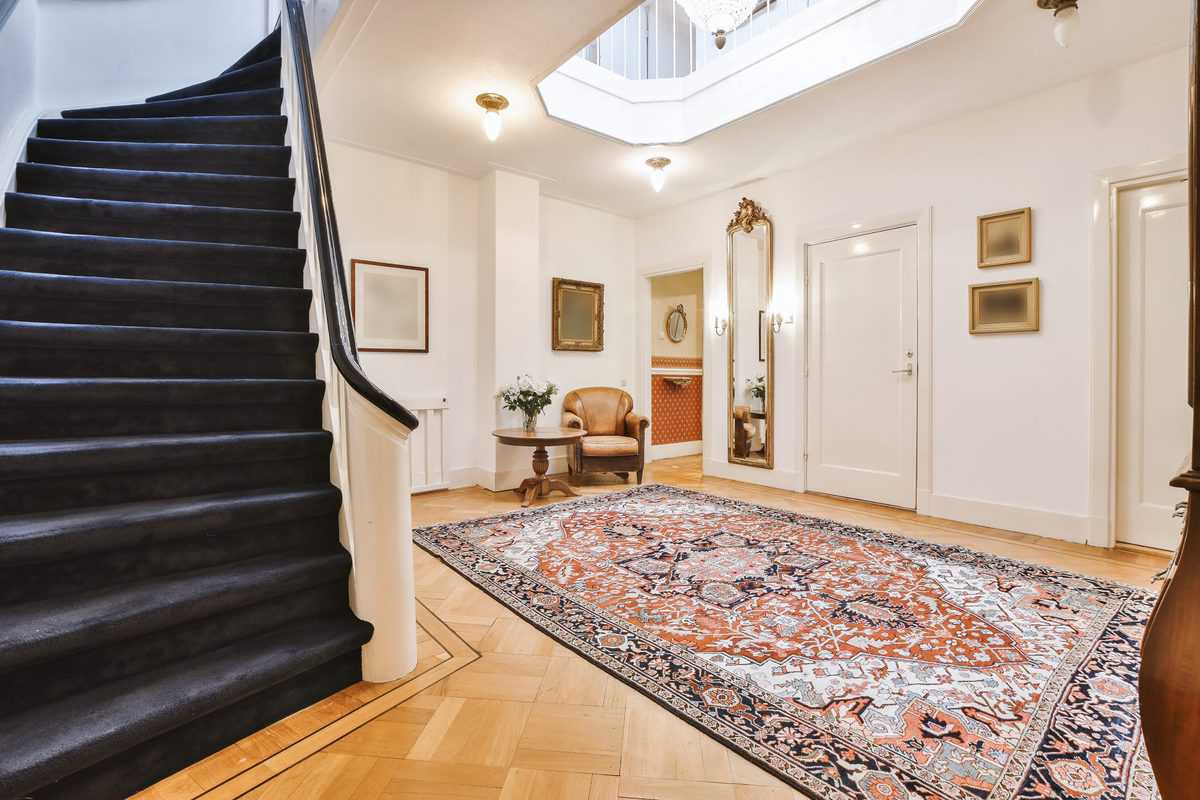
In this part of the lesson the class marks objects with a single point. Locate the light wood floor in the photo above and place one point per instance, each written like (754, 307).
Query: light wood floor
(499, 710)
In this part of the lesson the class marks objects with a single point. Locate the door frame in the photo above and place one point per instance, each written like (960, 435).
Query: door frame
(849, 228)
(1102, 490)
(645, 343)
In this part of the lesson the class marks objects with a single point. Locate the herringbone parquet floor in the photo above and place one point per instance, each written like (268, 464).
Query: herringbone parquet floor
(497, 710)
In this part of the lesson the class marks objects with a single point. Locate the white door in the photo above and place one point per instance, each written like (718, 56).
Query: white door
(1153, 418)
(862, 382)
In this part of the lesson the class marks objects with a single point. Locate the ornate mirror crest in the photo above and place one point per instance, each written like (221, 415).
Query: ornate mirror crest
(748, 214)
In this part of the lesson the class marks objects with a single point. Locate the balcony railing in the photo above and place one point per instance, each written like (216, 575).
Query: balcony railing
(658, 40)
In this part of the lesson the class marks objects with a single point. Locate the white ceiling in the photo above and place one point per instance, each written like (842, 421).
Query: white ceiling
(400, 77)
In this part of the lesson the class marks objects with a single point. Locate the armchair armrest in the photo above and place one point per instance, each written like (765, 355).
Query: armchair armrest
(570, 420)
(635, 425)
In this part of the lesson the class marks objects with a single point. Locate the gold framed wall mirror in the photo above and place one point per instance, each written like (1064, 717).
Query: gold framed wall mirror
(577, 316)
(749, 254)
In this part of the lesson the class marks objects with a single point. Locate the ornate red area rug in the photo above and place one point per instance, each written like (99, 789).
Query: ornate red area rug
(851, 663)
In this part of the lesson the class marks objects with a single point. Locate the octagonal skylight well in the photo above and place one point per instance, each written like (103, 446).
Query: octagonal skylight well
(656, 78)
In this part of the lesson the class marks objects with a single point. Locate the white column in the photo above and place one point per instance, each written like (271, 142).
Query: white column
(511, 340)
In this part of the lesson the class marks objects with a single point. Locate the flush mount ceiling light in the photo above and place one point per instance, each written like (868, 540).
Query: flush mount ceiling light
(718, 17)
(1066, 19)
(492, 104)
(658, 172)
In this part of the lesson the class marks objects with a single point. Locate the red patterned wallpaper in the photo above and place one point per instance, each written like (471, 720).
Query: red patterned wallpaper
(678, 411)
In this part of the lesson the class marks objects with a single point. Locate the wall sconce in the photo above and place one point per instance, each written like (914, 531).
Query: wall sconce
(780, 311)
(492, 104)
(1066, 19)
(720, 325)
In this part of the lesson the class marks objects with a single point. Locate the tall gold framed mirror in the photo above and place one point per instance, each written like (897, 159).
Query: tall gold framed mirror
(750, 337)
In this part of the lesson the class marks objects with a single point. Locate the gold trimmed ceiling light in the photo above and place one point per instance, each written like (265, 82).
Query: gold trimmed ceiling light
(1066, 19)
(492, 104)
(658, 171)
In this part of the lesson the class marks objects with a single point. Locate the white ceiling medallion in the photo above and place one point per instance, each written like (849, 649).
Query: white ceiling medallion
(718, 17)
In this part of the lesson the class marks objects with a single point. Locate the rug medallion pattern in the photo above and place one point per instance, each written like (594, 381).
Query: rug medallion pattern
(850, 662)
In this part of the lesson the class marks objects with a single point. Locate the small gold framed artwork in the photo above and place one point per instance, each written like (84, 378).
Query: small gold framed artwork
(1009, 307)
(1006, 238)
(577, 321)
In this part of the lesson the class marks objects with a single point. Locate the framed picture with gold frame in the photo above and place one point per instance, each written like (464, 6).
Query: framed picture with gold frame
(1006, 238)
(389, 305)
(1008, 307)
(577, 318)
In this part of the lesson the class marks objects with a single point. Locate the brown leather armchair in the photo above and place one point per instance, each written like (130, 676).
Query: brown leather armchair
(616, 437)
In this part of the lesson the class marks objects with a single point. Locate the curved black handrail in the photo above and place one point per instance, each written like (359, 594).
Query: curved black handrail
(324, 224)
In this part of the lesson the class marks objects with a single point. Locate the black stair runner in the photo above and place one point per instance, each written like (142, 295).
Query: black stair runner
(170, 573)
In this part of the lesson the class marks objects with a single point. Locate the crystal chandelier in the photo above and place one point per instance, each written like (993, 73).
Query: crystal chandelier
(718, 17)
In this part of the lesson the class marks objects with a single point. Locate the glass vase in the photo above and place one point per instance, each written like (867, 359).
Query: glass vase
(530, 423)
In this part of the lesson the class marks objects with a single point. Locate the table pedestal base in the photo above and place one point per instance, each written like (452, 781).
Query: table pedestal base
(539, 485)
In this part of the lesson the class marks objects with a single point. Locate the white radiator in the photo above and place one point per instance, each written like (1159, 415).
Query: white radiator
(427, 445)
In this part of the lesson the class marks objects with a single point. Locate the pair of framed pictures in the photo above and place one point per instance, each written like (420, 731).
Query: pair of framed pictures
(1005, 239)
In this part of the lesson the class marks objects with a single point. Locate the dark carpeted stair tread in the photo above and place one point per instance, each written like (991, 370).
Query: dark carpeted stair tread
(39, 408)
(129, 337)
(154, 391)
(48, 629)
(154, 186)
(259, 75)
(265, 50)
(217, 159)
(166, 221)
(47, 297)
(81, 456)
(232, 104)
(59, 350)
(149, 259)
(258, 129)
(34, 538)
(49, 742)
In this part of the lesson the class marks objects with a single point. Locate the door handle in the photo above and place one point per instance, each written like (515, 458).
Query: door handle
(906, 371)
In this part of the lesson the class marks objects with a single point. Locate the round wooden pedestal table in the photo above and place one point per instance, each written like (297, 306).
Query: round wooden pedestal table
(539, 485)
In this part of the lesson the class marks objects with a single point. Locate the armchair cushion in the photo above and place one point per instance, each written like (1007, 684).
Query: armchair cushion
(604, 446)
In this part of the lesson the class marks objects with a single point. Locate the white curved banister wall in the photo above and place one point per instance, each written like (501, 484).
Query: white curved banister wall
(370, 462)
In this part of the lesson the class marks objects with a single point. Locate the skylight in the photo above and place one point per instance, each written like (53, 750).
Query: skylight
(655, 78)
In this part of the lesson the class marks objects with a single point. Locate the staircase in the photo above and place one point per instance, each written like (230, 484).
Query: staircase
(171, 577)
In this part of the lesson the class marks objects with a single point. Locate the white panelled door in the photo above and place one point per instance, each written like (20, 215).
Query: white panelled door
(862, 383)
(1153, 417)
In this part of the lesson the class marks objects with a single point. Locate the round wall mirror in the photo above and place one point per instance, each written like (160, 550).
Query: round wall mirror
(677, 324)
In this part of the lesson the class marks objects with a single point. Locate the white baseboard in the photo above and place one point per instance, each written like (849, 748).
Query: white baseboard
(775, 478)
(504, 480)
(466, 477)
(12, 150)
(660, 451)
(1051, 524)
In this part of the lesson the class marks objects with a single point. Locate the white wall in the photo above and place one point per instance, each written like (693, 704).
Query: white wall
(404, 213)
(1010, 438)
(589, 245)
(103, 51)
(398, 211)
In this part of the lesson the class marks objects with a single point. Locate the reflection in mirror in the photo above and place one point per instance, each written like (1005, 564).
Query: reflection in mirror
(750, 338)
